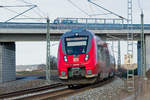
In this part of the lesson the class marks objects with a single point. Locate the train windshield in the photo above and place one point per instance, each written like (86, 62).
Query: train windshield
(76, 45)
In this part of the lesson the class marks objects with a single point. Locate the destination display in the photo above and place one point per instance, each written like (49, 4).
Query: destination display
(76, 38)
(77, 43)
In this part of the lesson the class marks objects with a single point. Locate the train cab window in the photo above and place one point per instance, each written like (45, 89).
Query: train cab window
(76, 45)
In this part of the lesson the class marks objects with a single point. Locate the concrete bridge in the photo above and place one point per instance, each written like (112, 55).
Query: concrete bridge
(12, 32)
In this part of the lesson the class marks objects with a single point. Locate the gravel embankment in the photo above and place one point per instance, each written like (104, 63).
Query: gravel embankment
(22, 85)
(109, 91)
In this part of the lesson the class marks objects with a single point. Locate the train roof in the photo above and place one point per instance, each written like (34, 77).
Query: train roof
(78, 32)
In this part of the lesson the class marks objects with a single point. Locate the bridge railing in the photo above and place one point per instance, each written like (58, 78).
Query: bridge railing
(60, 26)
(88, 23)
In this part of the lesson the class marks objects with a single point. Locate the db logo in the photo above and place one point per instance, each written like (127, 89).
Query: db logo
(75, 59)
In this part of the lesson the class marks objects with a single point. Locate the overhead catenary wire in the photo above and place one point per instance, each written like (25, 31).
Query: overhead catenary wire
(33, 9)
(106, 9)
(40, 13)
(91, 8)
(22, 13)
(139, 5)
(14, 11)
(19, 6)
(103, 13)
(43, 14)
(26, 2)
(26, 17)
(91, 15)
(99, 14)
(29, 7)
(78, 7)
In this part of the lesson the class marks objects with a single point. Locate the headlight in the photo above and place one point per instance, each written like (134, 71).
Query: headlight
(86, 57)
(89, 72)
(65, 59)
(63, 73)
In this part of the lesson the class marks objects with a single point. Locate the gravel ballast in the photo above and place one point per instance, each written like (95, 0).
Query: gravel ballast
(109, 91)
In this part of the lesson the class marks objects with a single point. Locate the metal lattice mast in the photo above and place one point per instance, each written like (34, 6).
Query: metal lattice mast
(48, 52)
(130, 70)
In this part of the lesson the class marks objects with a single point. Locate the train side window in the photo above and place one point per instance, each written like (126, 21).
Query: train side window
(99, 53)
(105, 56)
(102, 53)
(108, 59)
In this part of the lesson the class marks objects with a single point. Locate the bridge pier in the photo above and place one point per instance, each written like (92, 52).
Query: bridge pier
(147, 51)
(7, 61)
(139, 57)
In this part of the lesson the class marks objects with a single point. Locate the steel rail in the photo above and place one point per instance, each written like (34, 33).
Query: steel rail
(64, 92)
(29, 91)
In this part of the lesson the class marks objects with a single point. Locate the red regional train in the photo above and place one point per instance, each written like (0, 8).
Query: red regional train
(83, 58)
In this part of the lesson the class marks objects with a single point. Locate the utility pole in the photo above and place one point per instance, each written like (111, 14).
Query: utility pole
(143, 66)
(142, 43)
(119, 60)
(48, 51)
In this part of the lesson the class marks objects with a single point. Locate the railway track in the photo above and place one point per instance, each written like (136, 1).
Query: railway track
(65, 91)
(23, 93)
(51, 92)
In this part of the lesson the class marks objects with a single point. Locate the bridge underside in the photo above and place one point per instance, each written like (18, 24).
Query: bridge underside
(56, 37)
(10, 35)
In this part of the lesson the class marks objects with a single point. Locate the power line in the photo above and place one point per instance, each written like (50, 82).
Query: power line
(18, 6)
(28, 5)
(14, 11)
(91, 15)
(26, 2)
(91, 7)
(99, 14)
(33, 6)
(106, 9)
(39, 14)
(139, 5)
(27, 17)
(78, 7)
(41, 11)
(103, 13)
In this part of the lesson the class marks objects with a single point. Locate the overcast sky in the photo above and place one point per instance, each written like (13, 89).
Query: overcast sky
(63, 8)
(35, 52)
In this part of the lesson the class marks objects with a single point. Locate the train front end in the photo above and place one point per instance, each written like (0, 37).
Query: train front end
(77, 58)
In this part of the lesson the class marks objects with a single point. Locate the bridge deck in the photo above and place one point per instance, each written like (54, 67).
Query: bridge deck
(37, 31)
